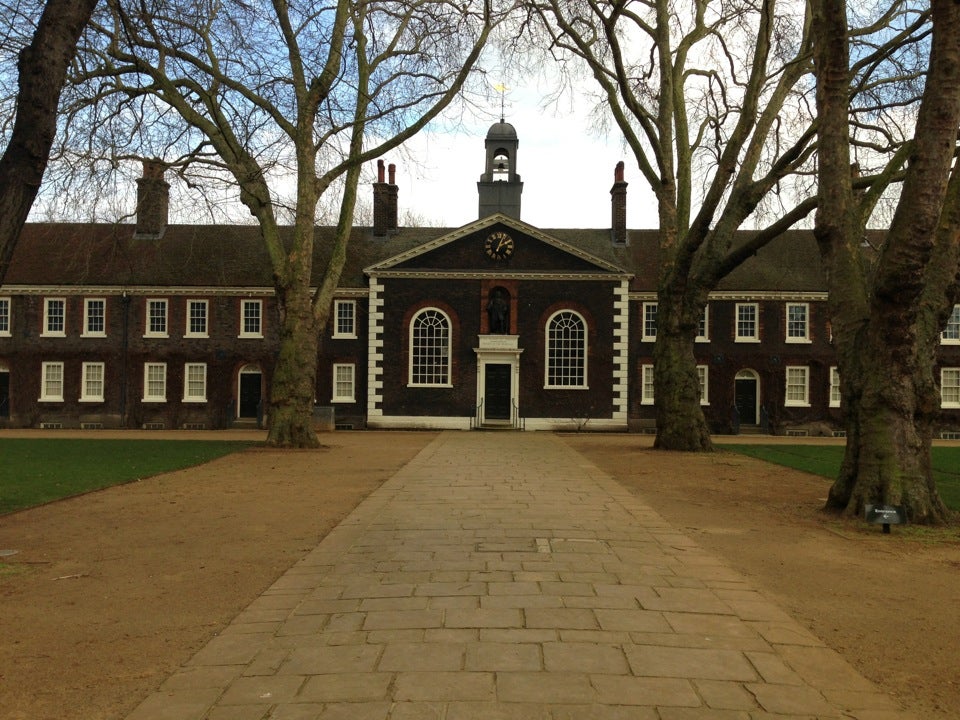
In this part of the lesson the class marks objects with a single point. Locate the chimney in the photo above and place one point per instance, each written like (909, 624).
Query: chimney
(153, 201)
(385, 202)
(618, 207)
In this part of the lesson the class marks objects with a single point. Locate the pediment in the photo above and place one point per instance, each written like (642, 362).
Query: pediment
(472, 250)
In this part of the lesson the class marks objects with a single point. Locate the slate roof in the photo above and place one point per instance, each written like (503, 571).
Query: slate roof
(66, 254)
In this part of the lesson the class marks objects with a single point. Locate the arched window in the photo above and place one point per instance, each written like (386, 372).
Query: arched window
(430, 348)
(566, 350)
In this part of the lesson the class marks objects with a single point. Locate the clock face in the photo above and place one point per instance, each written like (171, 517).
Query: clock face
(498, 245)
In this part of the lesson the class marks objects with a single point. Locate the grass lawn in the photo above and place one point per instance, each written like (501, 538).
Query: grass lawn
(36, 471)
(825, 460)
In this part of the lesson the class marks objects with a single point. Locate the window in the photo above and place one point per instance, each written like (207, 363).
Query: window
(51, 382)
(950, 387)
(154, 382)
(798, 386)
(703, 329)
(344, 318)
(747, 325)
(156, 318)
(950, 334)
(54, 317)
(4, 316)
(834, 386)
(91, 382)
(703, 374)
(798, 323)
(197, 318)
(566, 351)
(650, 321)
(251, 318)
(343, 382)
(195, 382)
(430, 348)
(94, 317)
(646, 382)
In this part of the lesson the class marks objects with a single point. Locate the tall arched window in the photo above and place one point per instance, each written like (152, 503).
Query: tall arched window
(430, 348)
(566, 350)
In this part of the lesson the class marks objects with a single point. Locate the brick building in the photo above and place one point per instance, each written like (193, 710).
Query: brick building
(495, 322)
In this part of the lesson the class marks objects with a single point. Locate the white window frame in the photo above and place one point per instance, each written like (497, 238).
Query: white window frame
(93, 380)
(188, 330)
(703, 375)
(154, 397)
(703, 329)
(244, 331)
(559, 357)
(951, 333)
(163, 306)
(344, 377)
(950, 379)
(646, 385)
(648, 322)
(51, 381)
(47, 317)
(755, 336)
(88, 303)
(790, 374)
(345, 319)
(6, 320)
(192, 395)
(835, 395)
(789, 324)
(442, 358)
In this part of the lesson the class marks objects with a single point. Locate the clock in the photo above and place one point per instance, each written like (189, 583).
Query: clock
(498, 245)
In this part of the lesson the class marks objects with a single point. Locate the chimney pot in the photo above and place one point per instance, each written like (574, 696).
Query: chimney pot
(618, 207)
(153, 201)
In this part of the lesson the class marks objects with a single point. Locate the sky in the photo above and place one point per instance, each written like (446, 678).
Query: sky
(567, 171)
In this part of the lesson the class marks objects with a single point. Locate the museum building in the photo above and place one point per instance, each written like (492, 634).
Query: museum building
(494, 324)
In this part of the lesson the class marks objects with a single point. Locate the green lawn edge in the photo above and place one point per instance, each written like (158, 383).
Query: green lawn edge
(825, 460)
(34, 472)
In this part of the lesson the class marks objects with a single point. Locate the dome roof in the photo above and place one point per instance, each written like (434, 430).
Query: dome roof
(502, 130)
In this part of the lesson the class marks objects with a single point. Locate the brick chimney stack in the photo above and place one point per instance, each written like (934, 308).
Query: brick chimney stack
(618, 207)
(153, 201)
(385, 202)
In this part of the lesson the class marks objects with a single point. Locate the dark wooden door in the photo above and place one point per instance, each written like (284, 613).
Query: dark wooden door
(496, 399)
(249, 394)
(746, 400)
(4, 394)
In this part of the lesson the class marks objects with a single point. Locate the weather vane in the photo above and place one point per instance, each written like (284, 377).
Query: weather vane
(502, 89)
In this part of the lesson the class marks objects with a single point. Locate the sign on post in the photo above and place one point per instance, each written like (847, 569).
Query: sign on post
(885, 515)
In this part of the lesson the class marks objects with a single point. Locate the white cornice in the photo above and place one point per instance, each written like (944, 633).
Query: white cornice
(799, 296)
(491, 275)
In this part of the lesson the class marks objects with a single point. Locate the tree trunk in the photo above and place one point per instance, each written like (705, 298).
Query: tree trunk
(890, 407)
(676, 384)
(43, 68)
(885, 320)
(293, 388)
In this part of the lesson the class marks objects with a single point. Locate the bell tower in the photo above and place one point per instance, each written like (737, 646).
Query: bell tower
(500, 186)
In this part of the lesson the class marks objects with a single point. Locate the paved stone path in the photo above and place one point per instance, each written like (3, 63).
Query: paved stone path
(501, 576)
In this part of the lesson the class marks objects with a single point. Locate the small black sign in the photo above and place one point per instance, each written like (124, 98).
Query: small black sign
(885, 515)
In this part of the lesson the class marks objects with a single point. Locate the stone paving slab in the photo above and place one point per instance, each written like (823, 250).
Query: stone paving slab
(502, 576)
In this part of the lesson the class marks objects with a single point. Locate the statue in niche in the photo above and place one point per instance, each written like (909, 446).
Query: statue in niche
(498, 311)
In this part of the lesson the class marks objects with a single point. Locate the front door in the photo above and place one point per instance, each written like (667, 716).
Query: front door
(496, 394)
(4, 394)
(250, 383)
(746, 400)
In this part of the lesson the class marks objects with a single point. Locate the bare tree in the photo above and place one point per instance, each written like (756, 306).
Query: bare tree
(42, 69)
(714, 103)
(293, 92)
(887, 315)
